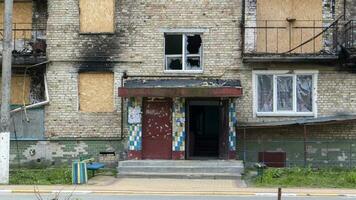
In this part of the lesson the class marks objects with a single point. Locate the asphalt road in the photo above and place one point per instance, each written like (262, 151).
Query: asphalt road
(154, 197)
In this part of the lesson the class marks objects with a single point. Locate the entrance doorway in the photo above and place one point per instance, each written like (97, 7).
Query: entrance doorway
(206, 126)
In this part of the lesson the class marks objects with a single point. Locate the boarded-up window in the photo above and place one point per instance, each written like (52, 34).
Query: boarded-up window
(277, 35)
(22, 19)
(96, 92)
(97, 16)
(19, 91)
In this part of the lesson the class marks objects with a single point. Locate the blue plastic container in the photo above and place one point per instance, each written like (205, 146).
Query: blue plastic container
(79, 172)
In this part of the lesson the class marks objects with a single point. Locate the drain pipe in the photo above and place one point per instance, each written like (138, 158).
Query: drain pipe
(123, 76)
(36, 104)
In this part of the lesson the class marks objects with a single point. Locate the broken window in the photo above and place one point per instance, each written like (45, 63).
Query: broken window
(96, 92)
(265, 93)
(183, 51)
(289, 93)
(174, 52)
(97, 16)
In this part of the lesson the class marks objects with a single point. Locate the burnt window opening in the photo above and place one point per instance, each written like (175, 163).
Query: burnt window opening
(183, 52)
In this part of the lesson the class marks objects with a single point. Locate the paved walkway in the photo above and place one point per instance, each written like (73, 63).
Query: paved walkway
(104, 184)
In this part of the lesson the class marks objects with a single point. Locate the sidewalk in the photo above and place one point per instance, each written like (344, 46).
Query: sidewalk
(106, 185)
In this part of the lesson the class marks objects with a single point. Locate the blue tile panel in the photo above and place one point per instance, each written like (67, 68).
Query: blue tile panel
(135, 130)
(179, 124)
(232, 125)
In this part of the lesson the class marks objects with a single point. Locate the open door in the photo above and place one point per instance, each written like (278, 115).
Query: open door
(207, 129)
(224, 130)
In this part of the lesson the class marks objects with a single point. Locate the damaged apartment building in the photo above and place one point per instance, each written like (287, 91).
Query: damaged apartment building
(182, 80)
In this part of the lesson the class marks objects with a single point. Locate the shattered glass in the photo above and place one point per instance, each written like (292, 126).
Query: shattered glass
(193, 44)
(193, 63)
(174, 63)
(284, 93)
(304, 93)
(265, 93)
(173, 51)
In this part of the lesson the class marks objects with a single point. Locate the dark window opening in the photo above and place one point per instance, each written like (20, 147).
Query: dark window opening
(173, 44)
(193, 44)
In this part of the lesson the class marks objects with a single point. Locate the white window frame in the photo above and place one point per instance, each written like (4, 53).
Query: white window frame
(184, 54)
(275, 74)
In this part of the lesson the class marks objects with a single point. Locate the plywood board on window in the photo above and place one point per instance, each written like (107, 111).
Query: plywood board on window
(22, 19)
(96, 92)
(281, 35)
(96, 16)
(19, 91)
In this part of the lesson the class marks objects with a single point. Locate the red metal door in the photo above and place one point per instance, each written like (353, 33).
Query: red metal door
(157, 129)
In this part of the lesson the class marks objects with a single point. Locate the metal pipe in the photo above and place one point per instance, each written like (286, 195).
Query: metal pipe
(305, 145)
(345, 10)
(122, 107)
(243, 27)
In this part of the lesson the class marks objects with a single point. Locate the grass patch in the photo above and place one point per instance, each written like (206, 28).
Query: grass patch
(48, 176)
(306, 177)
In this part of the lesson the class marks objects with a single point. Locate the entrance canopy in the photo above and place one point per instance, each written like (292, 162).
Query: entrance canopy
(181, 88)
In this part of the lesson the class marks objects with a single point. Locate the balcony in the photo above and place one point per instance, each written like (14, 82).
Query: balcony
(292, 40)
(28, 43)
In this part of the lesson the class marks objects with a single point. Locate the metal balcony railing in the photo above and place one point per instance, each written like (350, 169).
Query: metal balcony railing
(27, 39)
(291, 37)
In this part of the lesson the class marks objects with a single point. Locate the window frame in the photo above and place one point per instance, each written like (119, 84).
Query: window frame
(184, 54)
(281, 73)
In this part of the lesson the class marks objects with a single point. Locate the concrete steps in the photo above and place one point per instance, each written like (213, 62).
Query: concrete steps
(209, 169)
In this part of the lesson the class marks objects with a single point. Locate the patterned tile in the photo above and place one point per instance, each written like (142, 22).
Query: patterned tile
(135, 130)
(179, 124)
(232, 125)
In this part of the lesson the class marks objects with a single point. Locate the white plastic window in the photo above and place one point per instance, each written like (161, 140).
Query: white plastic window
(285, 94)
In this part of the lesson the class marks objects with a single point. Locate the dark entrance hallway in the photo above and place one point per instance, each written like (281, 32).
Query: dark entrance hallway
(204, 125)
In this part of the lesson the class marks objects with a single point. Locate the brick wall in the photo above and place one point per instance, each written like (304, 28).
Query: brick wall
(136, 46)
(63, 118)
(63, 152)
(138, 43)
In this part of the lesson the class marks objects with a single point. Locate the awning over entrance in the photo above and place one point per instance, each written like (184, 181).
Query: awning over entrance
(181, 88)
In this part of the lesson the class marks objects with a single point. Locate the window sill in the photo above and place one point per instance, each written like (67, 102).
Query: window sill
(285, 114)
(183, 71)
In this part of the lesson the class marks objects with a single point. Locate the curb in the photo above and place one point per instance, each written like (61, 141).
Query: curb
(185, 193)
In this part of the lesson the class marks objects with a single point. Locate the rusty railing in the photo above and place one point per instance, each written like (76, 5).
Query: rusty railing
(27, 39)
(291, 36)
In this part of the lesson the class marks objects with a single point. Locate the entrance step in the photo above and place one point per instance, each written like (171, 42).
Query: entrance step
(209, 169)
